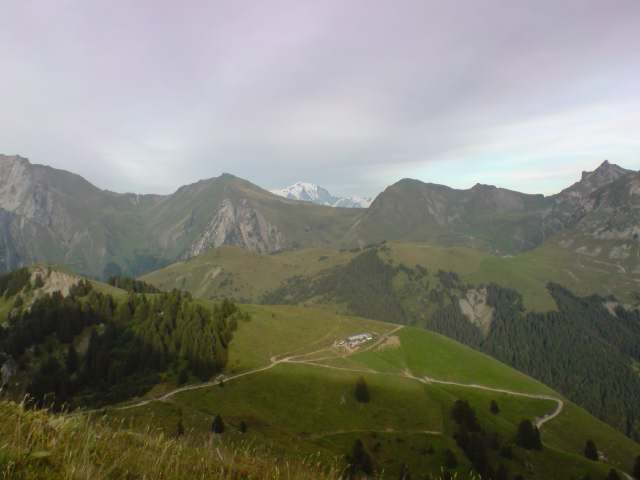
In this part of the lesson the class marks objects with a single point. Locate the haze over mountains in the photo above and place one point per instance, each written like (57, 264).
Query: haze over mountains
(56, 216)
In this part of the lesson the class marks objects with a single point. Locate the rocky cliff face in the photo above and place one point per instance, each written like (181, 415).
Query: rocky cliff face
(10, 255)
(240, 225)
(574, 202)
(49, 215)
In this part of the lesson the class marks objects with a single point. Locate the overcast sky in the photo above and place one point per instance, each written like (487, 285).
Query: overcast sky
(354, 95)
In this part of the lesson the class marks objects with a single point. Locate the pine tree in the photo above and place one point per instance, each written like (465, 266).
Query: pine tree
(636, 468)
(72, 359)
(494, 407)
(218, 425)
(590, 450)
(450, 460)
(183, 376)
(359, 461)
(528, 436)
(362, 391)
(243, 427)
(179, 429)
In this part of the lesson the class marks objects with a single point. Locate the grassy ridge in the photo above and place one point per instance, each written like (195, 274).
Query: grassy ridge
(247, 276)
(300, 409)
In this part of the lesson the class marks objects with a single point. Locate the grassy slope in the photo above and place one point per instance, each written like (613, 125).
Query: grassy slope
(246, 276)
(303, 409)
(39, 445)
(284, 330)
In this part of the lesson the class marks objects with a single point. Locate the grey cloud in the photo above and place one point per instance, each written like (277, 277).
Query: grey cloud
(348, 94)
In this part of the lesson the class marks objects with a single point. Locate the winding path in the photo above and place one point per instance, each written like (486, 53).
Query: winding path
(300, 359)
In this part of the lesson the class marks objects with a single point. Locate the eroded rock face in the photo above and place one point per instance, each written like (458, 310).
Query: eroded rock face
(240, 225)
(24, 193)
(53, 280)
(8, 369)
(474, 307)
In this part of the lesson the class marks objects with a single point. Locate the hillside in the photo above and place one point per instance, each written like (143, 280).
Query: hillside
(445, 290)
(159, 363)
(287, 356)
(66, 342)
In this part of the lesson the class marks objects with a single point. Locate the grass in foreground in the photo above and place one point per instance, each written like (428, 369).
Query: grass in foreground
(38, 444)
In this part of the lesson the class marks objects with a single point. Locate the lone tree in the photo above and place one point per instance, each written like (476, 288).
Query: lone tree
(636, 468)
(243, 427)
(179, 429)
(450, 460)
(528, 436)
(465, 416)
(590, 450)
(218, 425)
(494, 407)
(362, 391)
(359, 461)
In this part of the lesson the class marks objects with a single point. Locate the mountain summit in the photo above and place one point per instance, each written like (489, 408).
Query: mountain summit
(310, 192)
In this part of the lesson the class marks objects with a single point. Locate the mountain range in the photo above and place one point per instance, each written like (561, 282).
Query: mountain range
(309, 192)
(50, 215)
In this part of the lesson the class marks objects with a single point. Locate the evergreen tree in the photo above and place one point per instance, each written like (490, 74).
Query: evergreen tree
(183, 376)
(72, 360)
(243, 427)
(465, 416)
(494, 407)
(636, 468)
(218, 425)
(38, 283)
(528, 436)
(359, 461)
(179, 429)
(450, 460)
(362, 391)
(590, 450)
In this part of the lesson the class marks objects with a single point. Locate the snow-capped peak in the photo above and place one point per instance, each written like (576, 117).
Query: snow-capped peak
(310, 192)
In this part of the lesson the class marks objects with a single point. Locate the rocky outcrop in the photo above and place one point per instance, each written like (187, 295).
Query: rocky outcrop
(474, 306)
(8, 369)
(53, 281)
(240, 225)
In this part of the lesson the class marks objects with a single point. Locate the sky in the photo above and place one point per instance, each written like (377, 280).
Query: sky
(149, 95)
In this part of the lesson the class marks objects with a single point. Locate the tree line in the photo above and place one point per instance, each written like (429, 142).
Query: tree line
(128, 343)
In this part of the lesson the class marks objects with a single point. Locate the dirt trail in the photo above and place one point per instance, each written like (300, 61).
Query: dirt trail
(299, 359)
